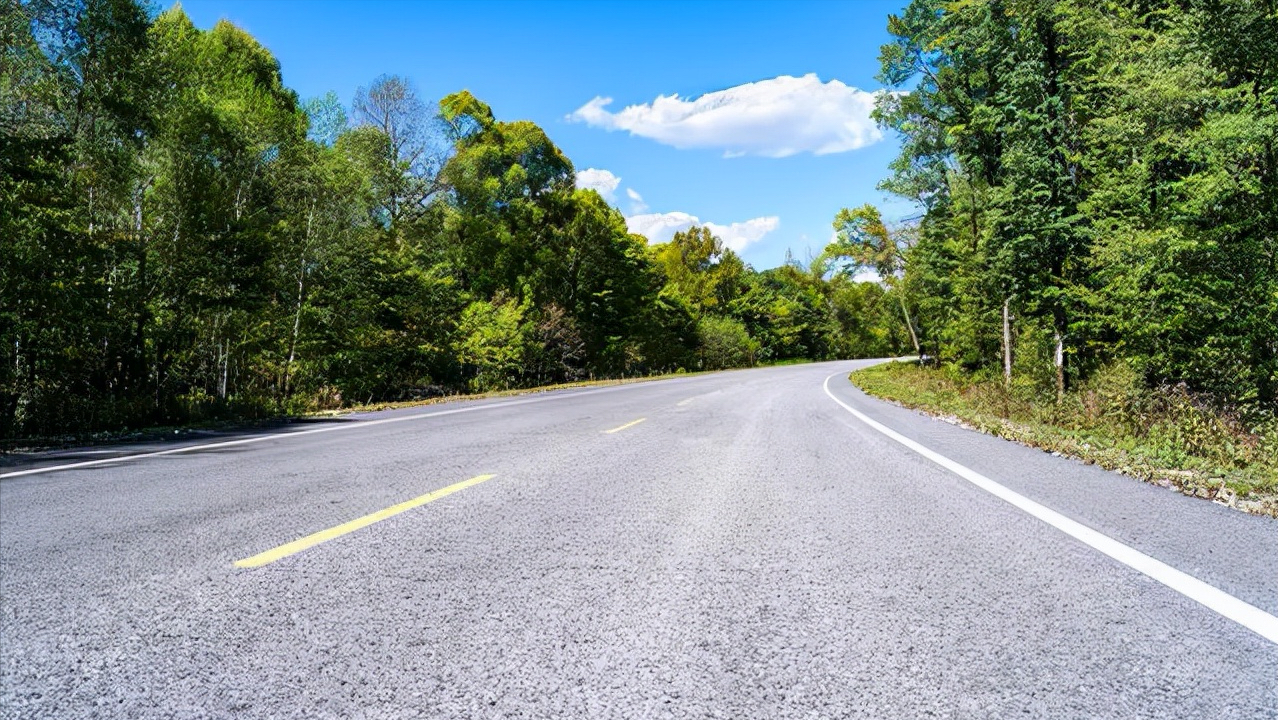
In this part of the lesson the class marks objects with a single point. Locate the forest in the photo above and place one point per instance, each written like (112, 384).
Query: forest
(185, 239)
(1098, 194)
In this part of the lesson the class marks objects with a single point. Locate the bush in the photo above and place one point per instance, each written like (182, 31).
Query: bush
(724, 343)
(494, 343)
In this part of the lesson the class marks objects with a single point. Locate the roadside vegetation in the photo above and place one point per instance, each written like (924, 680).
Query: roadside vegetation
(1093, 267)
(1167, 435)
(184, 240)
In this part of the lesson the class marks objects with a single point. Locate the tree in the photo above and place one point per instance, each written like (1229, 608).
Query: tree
(864, 240)
(181, 238)
(699, 268)
(408, 163)
(724, 343)
(1184, 199)
(495, 341)
(327, 119)
(503, 180)
(76, 111)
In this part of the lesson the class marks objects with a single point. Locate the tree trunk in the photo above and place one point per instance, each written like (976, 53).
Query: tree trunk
(140, 369)
(909, 324)
(226, 360)
(1060, 366)
(1007, 343)
(301, 296)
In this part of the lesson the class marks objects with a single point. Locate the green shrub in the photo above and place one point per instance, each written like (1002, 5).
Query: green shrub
(724, 343)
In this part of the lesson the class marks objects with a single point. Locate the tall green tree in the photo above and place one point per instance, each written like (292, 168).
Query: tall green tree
(862, 238)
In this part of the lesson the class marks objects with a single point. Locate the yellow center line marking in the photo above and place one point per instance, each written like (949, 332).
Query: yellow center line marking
(310, 541)
(632, 423)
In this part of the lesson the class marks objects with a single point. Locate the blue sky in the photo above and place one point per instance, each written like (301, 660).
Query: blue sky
(766, 159)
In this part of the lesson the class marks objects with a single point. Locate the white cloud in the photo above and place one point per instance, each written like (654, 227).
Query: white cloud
(771, 118)
(661, 227)
(601, 181)
(738, 235)
(637, 205)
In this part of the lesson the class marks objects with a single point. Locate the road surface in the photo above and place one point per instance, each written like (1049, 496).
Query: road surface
(739, 544)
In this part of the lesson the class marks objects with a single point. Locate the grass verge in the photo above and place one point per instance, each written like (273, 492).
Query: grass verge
(1165, 436)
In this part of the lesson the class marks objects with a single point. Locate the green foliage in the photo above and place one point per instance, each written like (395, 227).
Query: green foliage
(181, 239)
(862, 238)
(700, 269)
(724, 343)
(1108, 173)
(867, 324)
(495, 341)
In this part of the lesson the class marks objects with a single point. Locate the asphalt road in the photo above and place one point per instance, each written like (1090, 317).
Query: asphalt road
(750, 549)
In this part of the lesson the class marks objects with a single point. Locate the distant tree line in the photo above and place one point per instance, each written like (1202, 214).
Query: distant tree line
(1098, 185)
(182, 238)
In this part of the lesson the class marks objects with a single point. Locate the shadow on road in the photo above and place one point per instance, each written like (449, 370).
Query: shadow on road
(148, 441)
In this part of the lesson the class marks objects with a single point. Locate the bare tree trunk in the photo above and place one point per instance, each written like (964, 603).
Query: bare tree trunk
(226, 359)
(139, 362)
(1060, 366)
(297, 313)
(1007, 343)
(909, 324)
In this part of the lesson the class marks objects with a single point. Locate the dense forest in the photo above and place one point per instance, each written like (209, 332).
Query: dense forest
(1099, 193)
(184, 238)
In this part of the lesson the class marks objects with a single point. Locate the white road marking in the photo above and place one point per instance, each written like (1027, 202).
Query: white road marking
(1245, 614)
(355, 425)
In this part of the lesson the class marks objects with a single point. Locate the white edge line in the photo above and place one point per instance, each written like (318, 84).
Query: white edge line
(1247, 615)
(299, 433)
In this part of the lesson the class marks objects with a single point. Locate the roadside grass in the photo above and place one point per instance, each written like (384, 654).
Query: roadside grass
(1166, 436)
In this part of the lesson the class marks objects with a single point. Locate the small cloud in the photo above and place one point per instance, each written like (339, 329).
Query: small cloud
(661, 227)
(739, 235)
(778, 117)
(601, 181)
(637, 205)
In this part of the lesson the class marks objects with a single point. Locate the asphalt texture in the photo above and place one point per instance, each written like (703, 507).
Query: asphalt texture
(749, 550)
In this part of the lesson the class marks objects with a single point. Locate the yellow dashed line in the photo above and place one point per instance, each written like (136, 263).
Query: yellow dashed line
(309, 541)
(632, 423)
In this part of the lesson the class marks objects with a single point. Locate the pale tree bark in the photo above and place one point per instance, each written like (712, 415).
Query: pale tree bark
(1007, 343)
(1060, 366)
(226, 362)
(301, 296)
(140, 367)
(909, 324)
